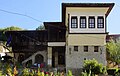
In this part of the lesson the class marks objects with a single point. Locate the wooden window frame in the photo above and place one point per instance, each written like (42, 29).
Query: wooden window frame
(82, 23)
(91, 22)
(100, 22)
(74, 25)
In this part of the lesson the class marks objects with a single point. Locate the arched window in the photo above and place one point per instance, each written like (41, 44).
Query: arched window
(39, 59)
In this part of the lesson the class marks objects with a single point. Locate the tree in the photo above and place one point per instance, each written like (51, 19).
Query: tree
(12, 28)
(41, 27)
(113, 49)
(3, 30)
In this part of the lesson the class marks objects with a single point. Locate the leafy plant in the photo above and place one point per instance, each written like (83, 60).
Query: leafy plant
(93, 67)
(25, 72)
(69, 73)
(113, 49)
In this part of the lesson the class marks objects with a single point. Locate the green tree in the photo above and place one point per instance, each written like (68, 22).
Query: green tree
(3, 37)
(12, 28)
(113, 49)
(41, 27)
(3, 30)
(92, 67)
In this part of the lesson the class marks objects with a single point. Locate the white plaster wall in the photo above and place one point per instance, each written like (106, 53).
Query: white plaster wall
(81, 11)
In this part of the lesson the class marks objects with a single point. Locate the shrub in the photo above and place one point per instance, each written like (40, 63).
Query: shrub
(69, 73)
(93, 67)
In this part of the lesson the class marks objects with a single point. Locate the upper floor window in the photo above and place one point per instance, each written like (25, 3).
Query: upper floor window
(100, 22)
(95, 48)
(74, 23)
(91, 22)
(82, 22)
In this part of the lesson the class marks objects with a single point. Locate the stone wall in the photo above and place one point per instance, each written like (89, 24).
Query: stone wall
(75, 59)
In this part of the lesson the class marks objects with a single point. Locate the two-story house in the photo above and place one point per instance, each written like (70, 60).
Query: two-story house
(86, 32)
(81, 35)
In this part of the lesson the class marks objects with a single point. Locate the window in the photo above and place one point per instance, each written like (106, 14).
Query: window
(100, 22)
(82, 22)
(74, 22)
(85, 48)
(91, 22)
(85, 59)
(75, 48)
(95, 48)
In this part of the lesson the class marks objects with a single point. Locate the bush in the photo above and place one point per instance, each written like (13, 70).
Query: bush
(69, 73)
(113, 71)
(93, 67)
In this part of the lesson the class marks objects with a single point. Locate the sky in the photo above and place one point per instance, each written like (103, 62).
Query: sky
(29, 14)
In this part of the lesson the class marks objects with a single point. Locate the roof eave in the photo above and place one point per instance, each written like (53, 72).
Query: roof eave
(110, 5)
(109, 10)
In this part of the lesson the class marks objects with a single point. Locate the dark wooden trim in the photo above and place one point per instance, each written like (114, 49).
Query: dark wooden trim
(105, 24)
(69, 23)
(110, 8)
(88, 4)
(74, 17)
(68, 19)
(63, 13)
(100, 17)
(83, 17)
(92, 17)
(89, 33)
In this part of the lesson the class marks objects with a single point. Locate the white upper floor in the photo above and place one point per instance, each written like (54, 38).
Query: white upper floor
(87, 17)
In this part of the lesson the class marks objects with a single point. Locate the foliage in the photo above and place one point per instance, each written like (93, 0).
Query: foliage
(69, 73)
(113, 71)
(38, 73)
(3, 37)
(41, 27)
(12, 28)
(113, 48)
(86, 74)
(7, 69)
(3, 30)
(93, 67)
(25, 72)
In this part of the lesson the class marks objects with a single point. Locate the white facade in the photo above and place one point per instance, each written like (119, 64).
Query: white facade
(87, 12)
